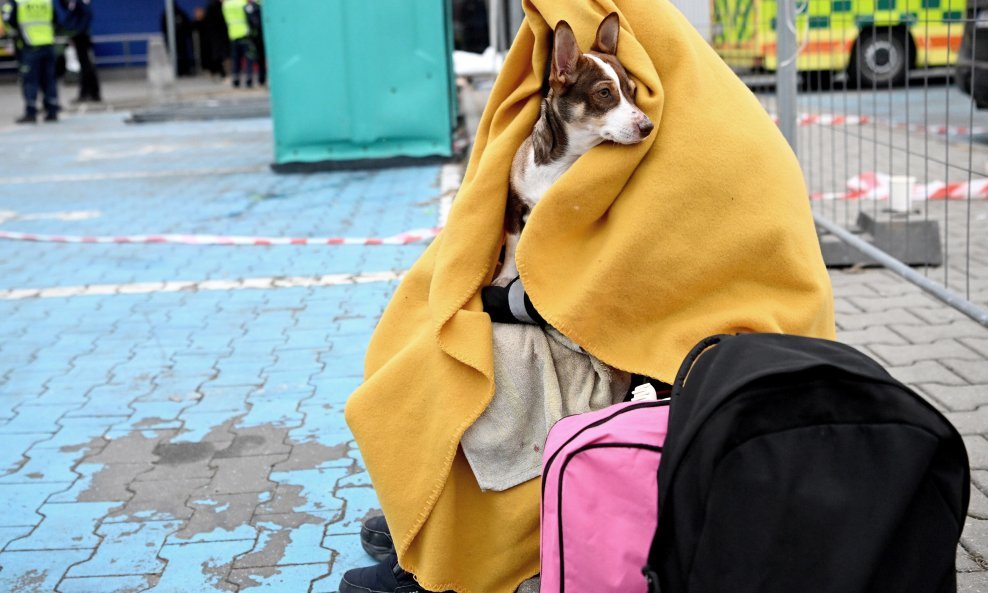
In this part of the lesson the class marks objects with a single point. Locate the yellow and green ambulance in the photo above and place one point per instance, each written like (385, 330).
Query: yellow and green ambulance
(874, 41)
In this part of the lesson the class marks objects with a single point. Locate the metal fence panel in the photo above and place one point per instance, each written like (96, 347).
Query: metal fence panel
(892, 147)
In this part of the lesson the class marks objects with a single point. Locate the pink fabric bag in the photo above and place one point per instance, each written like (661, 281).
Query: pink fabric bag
(600, 498)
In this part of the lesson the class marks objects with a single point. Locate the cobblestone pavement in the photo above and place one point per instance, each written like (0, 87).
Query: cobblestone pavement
(186, 440)
(942, 354)
(189, 436)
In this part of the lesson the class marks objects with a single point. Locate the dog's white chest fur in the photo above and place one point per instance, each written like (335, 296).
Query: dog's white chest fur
(531, 181)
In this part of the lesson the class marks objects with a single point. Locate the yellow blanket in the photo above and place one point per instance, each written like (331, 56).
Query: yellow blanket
(636, 253)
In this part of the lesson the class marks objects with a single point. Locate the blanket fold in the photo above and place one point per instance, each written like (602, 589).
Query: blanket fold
(635, 254)
(540, 376)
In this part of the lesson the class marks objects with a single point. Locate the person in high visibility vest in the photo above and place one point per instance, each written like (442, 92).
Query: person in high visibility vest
(241, 50)
(33, 22)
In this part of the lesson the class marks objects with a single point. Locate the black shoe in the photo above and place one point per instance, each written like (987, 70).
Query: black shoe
(27, 118)
(236, 84)
(375, 537)
(386, 577)
(51, 116)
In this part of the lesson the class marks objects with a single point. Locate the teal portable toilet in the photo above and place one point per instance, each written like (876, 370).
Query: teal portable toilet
(359, 82)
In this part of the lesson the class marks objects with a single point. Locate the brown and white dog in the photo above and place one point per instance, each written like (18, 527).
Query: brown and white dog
(591, 100)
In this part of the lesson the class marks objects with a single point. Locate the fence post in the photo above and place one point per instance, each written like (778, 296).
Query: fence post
(785, 73)
(170, 31)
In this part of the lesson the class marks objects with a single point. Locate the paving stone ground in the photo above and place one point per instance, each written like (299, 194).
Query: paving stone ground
(193, 440)
(190, 440)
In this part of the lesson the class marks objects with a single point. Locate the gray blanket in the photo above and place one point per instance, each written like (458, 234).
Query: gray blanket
(540, 376)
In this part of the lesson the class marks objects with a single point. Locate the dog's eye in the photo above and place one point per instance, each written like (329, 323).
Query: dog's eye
(604, 93)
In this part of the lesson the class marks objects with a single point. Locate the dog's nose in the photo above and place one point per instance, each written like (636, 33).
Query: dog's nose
(645, 127)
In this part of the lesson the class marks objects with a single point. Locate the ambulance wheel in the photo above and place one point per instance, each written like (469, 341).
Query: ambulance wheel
(879, 59)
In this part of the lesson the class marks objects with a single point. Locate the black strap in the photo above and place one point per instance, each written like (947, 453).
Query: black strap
(695, 353)
(497, 304)
(652, 579)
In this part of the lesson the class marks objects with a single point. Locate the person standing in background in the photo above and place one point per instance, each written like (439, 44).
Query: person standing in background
(253, 9)
(235, 14)
(183, 40)
(79, 22)
(214, 40)
(33, 22)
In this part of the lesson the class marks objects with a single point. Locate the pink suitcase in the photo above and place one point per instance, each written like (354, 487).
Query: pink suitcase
(599, 498)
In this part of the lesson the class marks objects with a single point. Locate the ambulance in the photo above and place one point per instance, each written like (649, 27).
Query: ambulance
(875, 42)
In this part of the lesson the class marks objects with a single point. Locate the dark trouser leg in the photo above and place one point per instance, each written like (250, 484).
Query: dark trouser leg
(89, 81)
(262, 62)
(30, 79)
(236, 56)
(49, 82)
(248, 51)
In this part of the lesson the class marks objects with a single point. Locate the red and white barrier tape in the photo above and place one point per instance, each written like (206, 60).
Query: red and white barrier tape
(829, 119)
(943, 130)
(875, 186)
(414, 236)
(837, 119)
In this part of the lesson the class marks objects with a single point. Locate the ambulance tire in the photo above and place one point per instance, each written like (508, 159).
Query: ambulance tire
(879, 59)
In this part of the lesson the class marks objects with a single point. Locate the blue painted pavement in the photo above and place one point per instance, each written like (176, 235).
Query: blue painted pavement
(191, 440)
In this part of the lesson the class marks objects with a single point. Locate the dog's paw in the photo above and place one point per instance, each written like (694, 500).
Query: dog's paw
(502, 281)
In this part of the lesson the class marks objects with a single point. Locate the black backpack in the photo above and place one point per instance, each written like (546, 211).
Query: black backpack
(798, 465)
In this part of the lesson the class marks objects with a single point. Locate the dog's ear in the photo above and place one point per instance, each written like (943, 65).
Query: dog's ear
(565, 53)
(607, 35)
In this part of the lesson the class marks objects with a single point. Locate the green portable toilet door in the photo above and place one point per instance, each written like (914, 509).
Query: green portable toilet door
(352, 79)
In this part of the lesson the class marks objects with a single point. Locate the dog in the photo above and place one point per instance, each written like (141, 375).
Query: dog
(591, 99)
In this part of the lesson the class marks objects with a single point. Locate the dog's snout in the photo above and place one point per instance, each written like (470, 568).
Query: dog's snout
(645, 126)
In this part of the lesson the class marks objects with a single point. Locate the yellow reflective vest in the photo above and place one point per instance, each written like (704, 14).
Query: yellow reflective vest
(236, 19)
(35, 19)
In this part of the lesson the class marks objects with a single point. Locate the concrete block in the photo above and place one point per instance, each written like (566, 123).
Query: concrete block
(939, 350)
(347, 554)
(275, 579)
(107, 584)
(969, 423)
(157, 501)
(888, 317)
(126, 549)
(292, 538)
(979, 342)
(304, 491)
(65, 526)
(21, 502)
(198, 566)
(242, 474)
(44, 465)
(927, 333)
(977, 451)
(957, 397)
(926, 371)
(102, 483)
(359, 505)
(911, 300)
(877, 334)
(31, 572)
(974, 371)
(260, 440)
(14, 446)
(219, 517)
